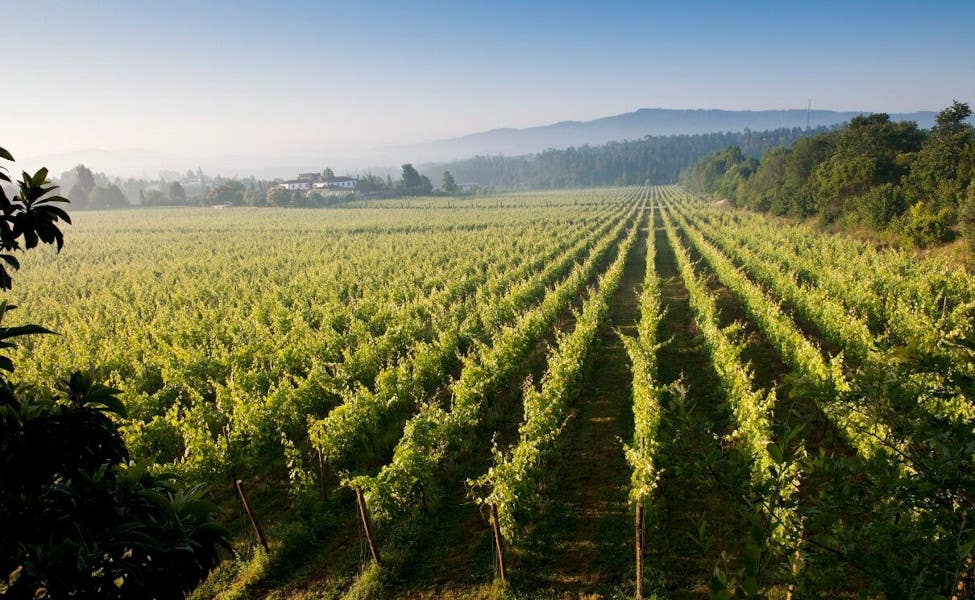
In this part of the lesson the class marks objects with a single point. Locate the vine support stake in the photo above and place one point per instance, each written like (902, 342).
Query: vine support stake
(498, 545)
(639, 550)
(364, 516)
(250, 514)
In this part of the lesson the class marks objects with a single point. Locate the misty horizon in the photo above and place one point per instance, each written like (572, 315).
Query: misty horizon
(237, 88)
(383, 160)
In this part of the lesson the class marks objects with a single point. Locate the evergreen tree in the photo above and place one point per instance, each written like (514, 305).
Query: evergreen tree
(412, 183)
(177, 195)
(448, 184)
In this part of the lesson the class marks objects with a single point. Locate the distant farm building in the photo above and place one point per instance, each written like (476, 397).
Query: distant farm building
(315, 181)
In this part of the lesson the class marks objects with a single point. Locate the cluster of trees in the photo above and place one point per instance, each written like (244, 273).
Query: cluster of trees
(88, 190)
(412, 183)
(653, 159)
(235, 193)
(893, 177)
(89, 193)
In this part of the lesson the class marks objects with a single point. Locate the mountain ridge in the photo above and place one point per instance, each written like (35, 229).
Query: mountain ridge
(511, 141)
(508, 141)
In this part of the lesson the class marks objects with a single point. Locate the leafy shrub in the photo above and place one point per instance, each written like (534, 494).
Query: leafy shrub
(880, 205)
(921, 226)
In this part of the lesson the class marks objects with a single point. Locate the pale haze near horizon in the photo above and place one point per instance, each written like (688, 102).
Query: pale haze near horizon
(304, 82)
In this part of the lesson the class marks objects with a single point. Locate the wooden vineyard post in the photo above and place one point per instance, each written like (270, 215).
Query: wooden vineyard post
(364, 515)
(639, 550)
(250, 514)
(498, 546)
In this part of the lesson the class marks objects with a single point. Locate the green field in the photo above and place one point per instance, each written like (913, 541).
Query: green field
(782, 407)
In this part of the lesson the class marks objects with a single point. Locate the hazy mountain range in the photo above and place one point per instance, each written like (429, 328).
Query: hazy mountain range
(632, 125)
(508, 141)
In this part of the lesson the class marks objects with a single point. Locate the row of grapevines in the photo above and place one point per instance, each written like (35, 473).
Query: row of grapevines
(776, 480)
(930, 349)
(409, 381)
(227, 329)
(263, 425)
(836, 325)
(428, 434)
(523, 199)
(517, 297)
(918, 488)
(414, 317)
(841, 328)
(825, 380)
(886, 285)
(642, 351)
(511, 483)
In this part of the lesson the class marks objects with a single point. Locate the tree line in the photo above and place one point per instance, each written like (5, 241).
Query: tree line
(652, 159)
(96, 191)
(913, 186)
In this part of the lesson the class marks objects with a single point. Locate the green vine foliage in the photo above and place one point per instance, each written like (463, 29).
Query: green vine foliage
(887, 510)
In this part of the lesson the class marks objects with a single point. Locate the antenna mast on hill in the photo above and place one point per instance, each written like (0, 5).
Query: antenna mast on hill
(808, 110)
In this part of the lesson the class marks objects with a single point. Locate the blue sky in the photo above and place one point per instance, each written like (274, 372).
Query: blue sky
(327, 78)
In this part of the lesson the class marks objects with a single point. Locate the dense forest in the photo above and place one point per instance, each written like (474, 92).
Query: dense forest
(911, 185)
(651, 159)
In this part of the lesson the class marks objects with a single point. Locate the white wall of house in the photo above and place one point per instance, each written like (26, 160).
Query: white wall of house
(348, 184)
(297, 185)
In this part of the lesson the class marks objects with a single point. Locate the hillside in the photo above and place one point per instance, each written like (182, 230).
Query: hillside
(628, 126)
(657, 159)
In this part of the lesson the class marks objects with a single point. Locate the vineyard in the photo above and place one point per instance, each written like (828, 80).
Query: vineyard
(609, 392)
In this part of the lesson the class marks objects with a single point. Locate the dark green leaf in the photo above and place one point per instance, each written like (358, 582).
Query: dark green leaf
(9, 332)
(40, 177)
